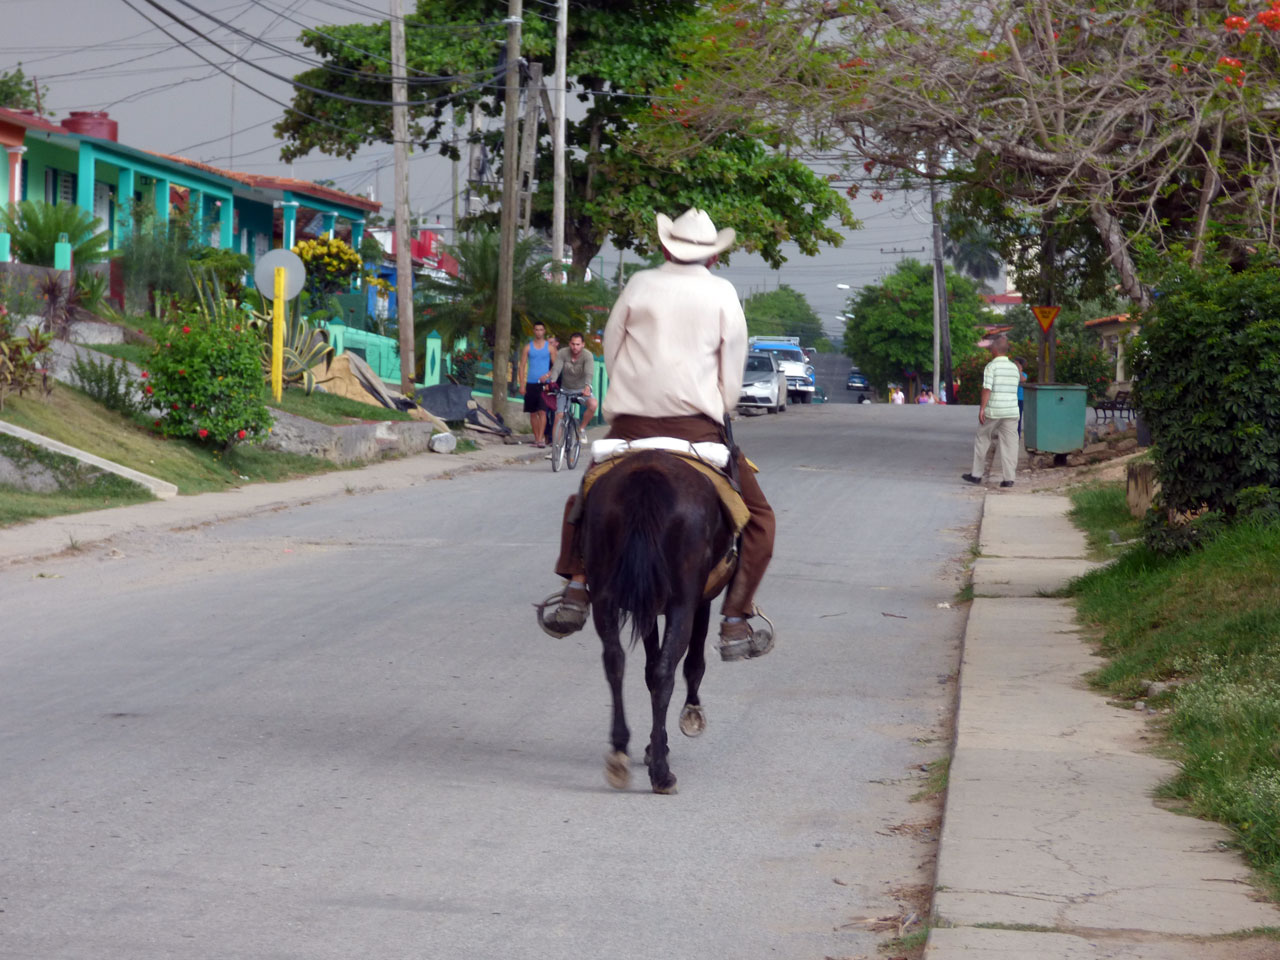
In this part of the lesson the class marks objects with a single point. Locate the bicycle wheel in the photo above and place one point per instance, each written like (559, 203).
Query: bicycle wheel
(572, 444)
(557, 446)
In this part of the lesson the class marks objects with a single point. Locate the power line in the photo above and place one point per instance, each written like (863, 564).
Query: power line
(115, 44)
(362, 101)
(345, 43)
(317, 64)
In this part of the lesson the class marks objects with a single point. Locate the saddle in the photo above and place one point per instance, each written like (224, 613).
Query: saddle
(712, 460)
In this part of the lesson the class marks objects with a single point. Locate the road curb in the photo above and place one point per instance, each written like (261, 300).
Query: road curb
(41, 539)
(161, 489)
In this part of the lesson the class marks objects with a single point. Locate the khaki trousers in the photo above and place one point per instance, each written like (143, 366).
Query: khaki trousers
(1004, 431)
(757, 535)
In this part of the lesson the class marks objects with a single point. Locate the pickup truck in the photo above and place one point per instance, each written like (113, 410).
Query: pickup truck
(801, 379)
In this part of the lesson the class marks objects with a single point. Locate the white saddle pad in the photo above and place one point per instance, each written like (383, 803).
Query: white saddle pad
(716, 454)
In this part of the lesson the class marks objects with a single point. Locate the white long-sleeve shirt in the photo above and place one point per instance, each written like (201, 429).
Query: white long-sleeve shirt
(675, 345)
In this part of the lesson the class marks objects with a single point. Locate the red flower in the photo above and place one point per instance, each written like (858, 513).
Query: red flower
(242, 434)
(182, 372)
(157, 423)
(145, 374)
(147, 389)
(175, 406)
(202, 433)
(186, 329)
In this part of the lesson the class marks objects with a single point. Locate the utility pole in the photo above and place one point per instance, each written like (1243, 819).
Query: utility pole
(510, 181)
(529, 145)
(941, 311)
(454, 239)
(400, 145)
(557, 138)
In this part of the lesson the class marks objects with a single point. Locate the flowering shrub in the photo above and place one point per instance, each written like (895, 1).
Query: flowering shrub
(464, 364)
(206, 378)
(330, 263)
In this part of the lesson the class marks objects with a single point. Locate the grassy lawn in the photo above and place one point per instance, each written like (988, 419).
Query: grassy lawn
(82, 487)
(1209, 622)
(73, 418)
(320, 407)
(329, 408)
(1101, 509)
(132, 352)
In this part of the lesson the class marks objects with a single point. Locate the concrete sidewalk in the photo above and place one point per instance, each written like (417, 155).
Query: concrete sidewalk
(1052, 846)
(42, 538)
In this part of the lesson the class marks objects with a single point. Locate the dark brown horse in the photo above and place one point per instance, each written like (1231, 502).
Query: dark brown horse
(651, 533)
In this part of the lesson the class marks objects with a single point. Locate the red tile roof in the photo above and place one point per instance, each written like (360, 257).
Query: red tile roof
(30, 120)
(1003, 299)
(304, 187)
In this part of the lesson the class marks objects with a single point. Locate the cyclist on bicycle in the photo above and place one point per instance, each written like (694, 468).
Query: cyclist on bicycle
(576, 368)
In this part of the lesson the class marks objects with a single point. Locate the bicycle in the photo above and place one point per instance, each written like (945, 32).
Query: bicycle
(566, 440)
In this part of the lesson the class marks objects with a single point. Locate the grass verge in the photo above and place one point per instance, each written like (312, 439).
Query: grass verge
(1101, 510)
(1208, 622)
(76, 419)
(321, 407)
(329, 408)
(80, 487)
(134, 353)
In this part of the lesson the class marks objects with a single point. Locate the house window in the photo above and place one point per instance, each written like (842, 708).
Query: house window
(59, 186)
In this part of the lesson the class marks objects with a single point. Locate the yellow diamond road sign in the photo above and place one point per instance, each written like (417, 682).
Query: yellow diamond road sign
(1046, 316)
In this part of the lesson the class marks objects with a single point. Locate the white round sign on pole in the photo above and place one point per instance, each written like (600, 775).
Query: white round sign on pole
(264, 273)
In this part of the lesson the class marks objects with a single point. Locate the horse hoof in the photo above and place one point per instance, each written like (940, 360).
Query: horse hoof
(693, 720)
(667, 790)
(617, 769)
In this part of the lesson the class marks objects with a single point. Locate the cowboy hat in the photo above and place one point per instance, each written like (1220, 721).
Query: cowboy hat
(692, 237)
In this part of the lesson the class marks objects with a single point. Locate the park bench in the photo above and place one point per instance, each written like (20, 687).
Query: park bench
(1118, 407)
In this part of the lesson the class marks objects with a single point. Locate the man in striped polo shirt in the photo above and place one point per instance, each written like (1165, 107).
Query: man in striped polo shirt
(997, 415)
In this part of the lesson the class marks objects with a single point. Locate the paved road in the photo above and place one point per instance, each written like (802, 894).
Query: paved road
(334, 731)
(832, 370)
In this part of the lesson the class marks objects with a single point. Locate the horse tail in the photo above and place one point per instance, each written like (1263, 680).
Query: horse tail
(638, 583)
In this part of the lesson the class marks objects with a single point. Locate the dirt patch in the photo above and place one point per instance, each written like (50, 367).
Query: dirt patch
(1059, 478)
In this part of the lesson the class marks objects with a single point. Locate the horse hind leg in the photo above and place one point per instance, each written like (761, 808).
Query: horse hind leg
(693, 719)
(617, 765)
(674, 644)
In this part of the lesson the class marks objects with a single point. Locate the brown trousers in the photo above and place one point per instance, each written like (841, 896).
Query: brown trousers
(757, 535)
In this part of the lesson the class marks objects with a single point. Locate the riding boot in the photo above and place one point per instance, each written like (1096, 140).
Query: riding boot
(569, 609)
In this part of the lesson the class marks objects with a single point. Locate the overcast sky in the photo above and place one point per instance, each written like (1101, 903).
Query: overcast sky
(102, 55)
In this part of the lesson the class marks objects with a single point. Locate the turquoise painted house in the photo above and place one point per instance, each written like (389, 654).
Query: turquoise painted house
(82, 161)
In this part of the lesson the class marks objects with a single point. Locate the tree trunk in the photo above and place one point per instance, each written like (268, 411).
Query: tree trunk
(1113, 239)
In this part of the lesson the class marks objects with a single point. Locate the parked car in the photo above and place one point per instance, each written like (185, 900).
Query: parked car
(858, 381)
(795, 365)
(763, 383)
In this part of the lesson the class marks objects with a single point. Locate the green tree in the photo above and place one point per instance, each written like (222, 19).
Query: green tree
(467, 306)
(621, 56)
(17, 92)
(1156, 122)
(782, 312)
(889, 334)
(972, 249)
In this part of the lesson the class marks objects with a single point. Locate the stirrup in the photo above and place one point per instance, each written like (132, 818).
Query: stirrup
(551, 624)
(756, 644)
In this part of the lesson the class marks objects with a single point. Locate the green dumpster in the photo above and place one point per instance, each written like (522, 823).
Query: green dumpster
(1053, 417)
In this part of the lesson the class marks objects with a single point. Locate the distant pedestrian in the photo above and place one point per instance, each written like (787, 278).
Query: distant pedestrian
(535, 363)
(1022, 379)
(923, 397)
(997, 416)
(896, 395)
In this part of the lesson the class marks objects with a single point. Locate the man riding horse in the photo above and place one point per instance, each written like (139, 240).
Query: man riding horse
(675, 347)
